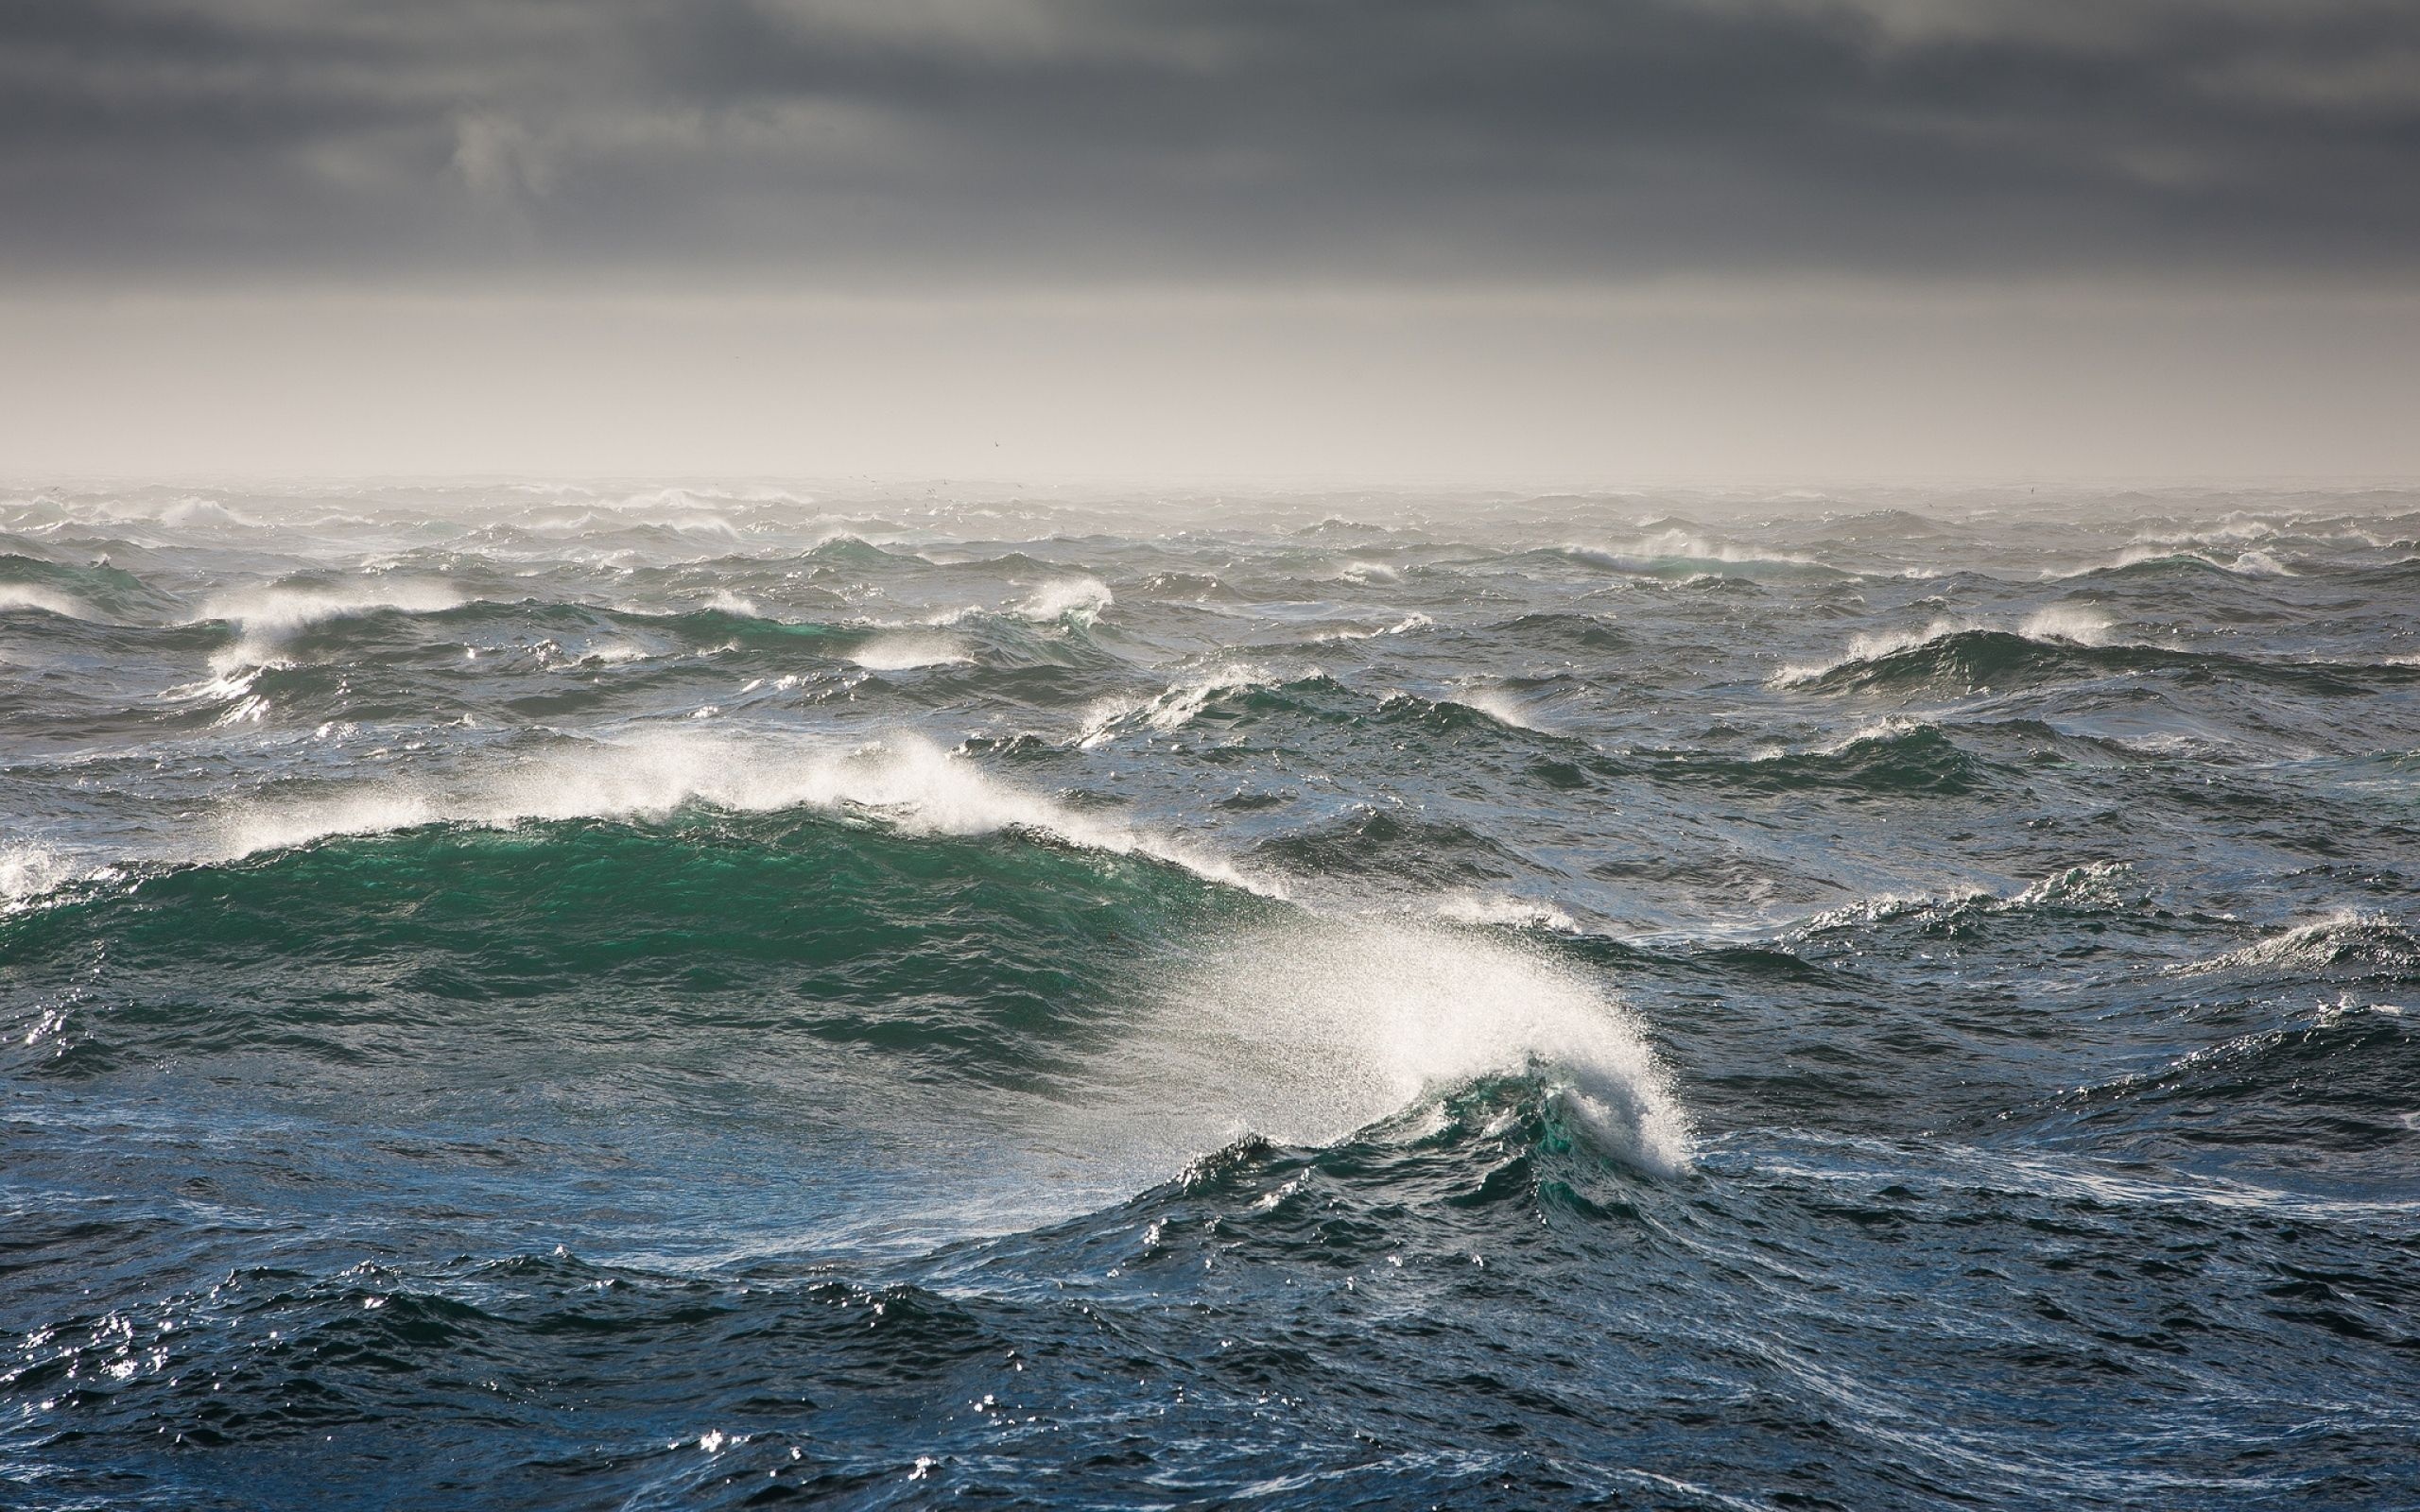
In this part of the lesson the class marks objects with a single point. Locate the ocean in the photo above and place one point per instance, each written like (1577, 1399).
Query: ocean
(551, 996)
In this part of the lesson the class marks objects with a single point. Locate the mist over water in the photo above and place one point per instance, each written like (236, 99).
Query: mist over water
(568, 996)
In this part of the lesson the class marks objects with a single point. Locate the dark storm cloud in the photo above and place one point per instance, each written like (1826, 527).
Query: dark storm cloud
(1036, 140)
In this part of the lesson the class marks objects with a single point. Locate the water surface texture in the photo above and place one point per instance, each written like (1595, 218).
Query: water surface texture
(567, 997)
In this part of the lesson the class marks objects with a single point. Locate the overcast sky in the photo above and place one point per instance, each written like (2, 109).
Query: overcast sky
(1688, 237)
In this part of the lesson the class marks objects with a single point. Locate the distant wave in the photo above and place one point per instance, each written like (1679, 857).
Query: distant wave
(2242, 562)
(268, 616)
(2056, 624)
(1894, 757)
(50, 601)
(2336, 1080)
(1502, 707)
(900, 650)
(912, 782)
(1184, 701)
(2369, 945)
(1403, 626)
(1676, 552)
(1360, 570)
(1078, 600)
(1971, 656)
(2093, 888)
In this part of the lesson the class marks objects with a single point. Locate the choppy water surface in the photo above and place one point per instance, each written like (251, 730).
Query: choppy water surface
(567, 998)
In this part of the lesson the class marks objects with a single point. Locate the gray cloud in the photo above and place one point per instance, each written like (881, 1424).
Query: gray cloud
(1237, 141)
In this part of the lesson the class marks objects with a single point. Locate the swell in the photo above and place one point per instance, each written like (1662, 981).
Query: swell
(979, 957)
(1677, 554)
(1979, 658)
(2321, 1100)
(1916, 760)
(1163, 1010)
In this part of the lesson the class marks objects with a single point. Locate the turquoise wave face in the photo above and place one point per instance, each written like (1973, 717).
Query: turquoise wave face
(537, 997)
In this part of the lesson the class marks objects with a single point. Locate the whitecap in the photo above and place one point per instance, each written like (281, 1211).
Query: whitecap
(1313, 1028)
(2052, 624)
(189, 512)
(31, 595)
(1500, 706)
(2317, 945)
(1177, 706)
(1498, 910)
(2242, 562)
(900, 650)
(2078, 623)
(1077, 599)
(1403, 626)
(27, 870)
(2261, 563)
(1869, 646)
(270, 613)
(911, 782)
(1358, 571)
(1646, 551)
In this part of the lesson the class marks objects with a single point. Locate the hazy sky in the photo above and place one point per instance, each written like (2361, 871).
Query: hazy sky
(1520, 239)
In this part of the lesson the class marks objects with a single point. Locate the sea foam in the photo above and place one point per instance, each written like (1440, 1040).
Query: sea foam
(30, 595)
(2052, 624)
(900, 650)
(271, 614)
(29, 870)
(909, 781)
(1313, 1028)
(1079, 600)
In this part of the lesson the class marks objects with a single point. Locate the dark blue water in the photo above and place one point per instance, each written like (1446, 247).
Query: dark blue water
(555, 997)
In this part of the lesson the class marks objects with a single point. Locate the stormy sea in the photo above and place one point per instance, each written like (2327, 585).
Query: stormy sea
(582, 997)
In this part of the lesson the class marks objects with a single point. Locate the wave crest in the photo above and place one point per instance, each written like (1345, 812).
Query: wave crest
(909, 781)
(270, 615)
(2053, 627)
(1311, 1030)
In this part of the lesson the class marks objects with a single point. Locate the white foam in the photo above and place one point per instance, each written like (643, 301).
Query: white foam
(2093, 885)
(698, 523)
(724, 601)
(27, 870)
(2306, 946)
(1868, 646)
(270, 613)
(1499, 706)
(1102, 719)
(1080, 599)
(913, 784)
(899, 650)
(1306, 1031)
(2244, 563)
(1358, 571)
(1177, 706)
(31, 595)
(1409, 623)
(1682, 545)
(2233, 530)
(190, 512)
(1498, 910)
(2078, 623)
(2098, 884)
(1890, 727)
(2074, 623)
